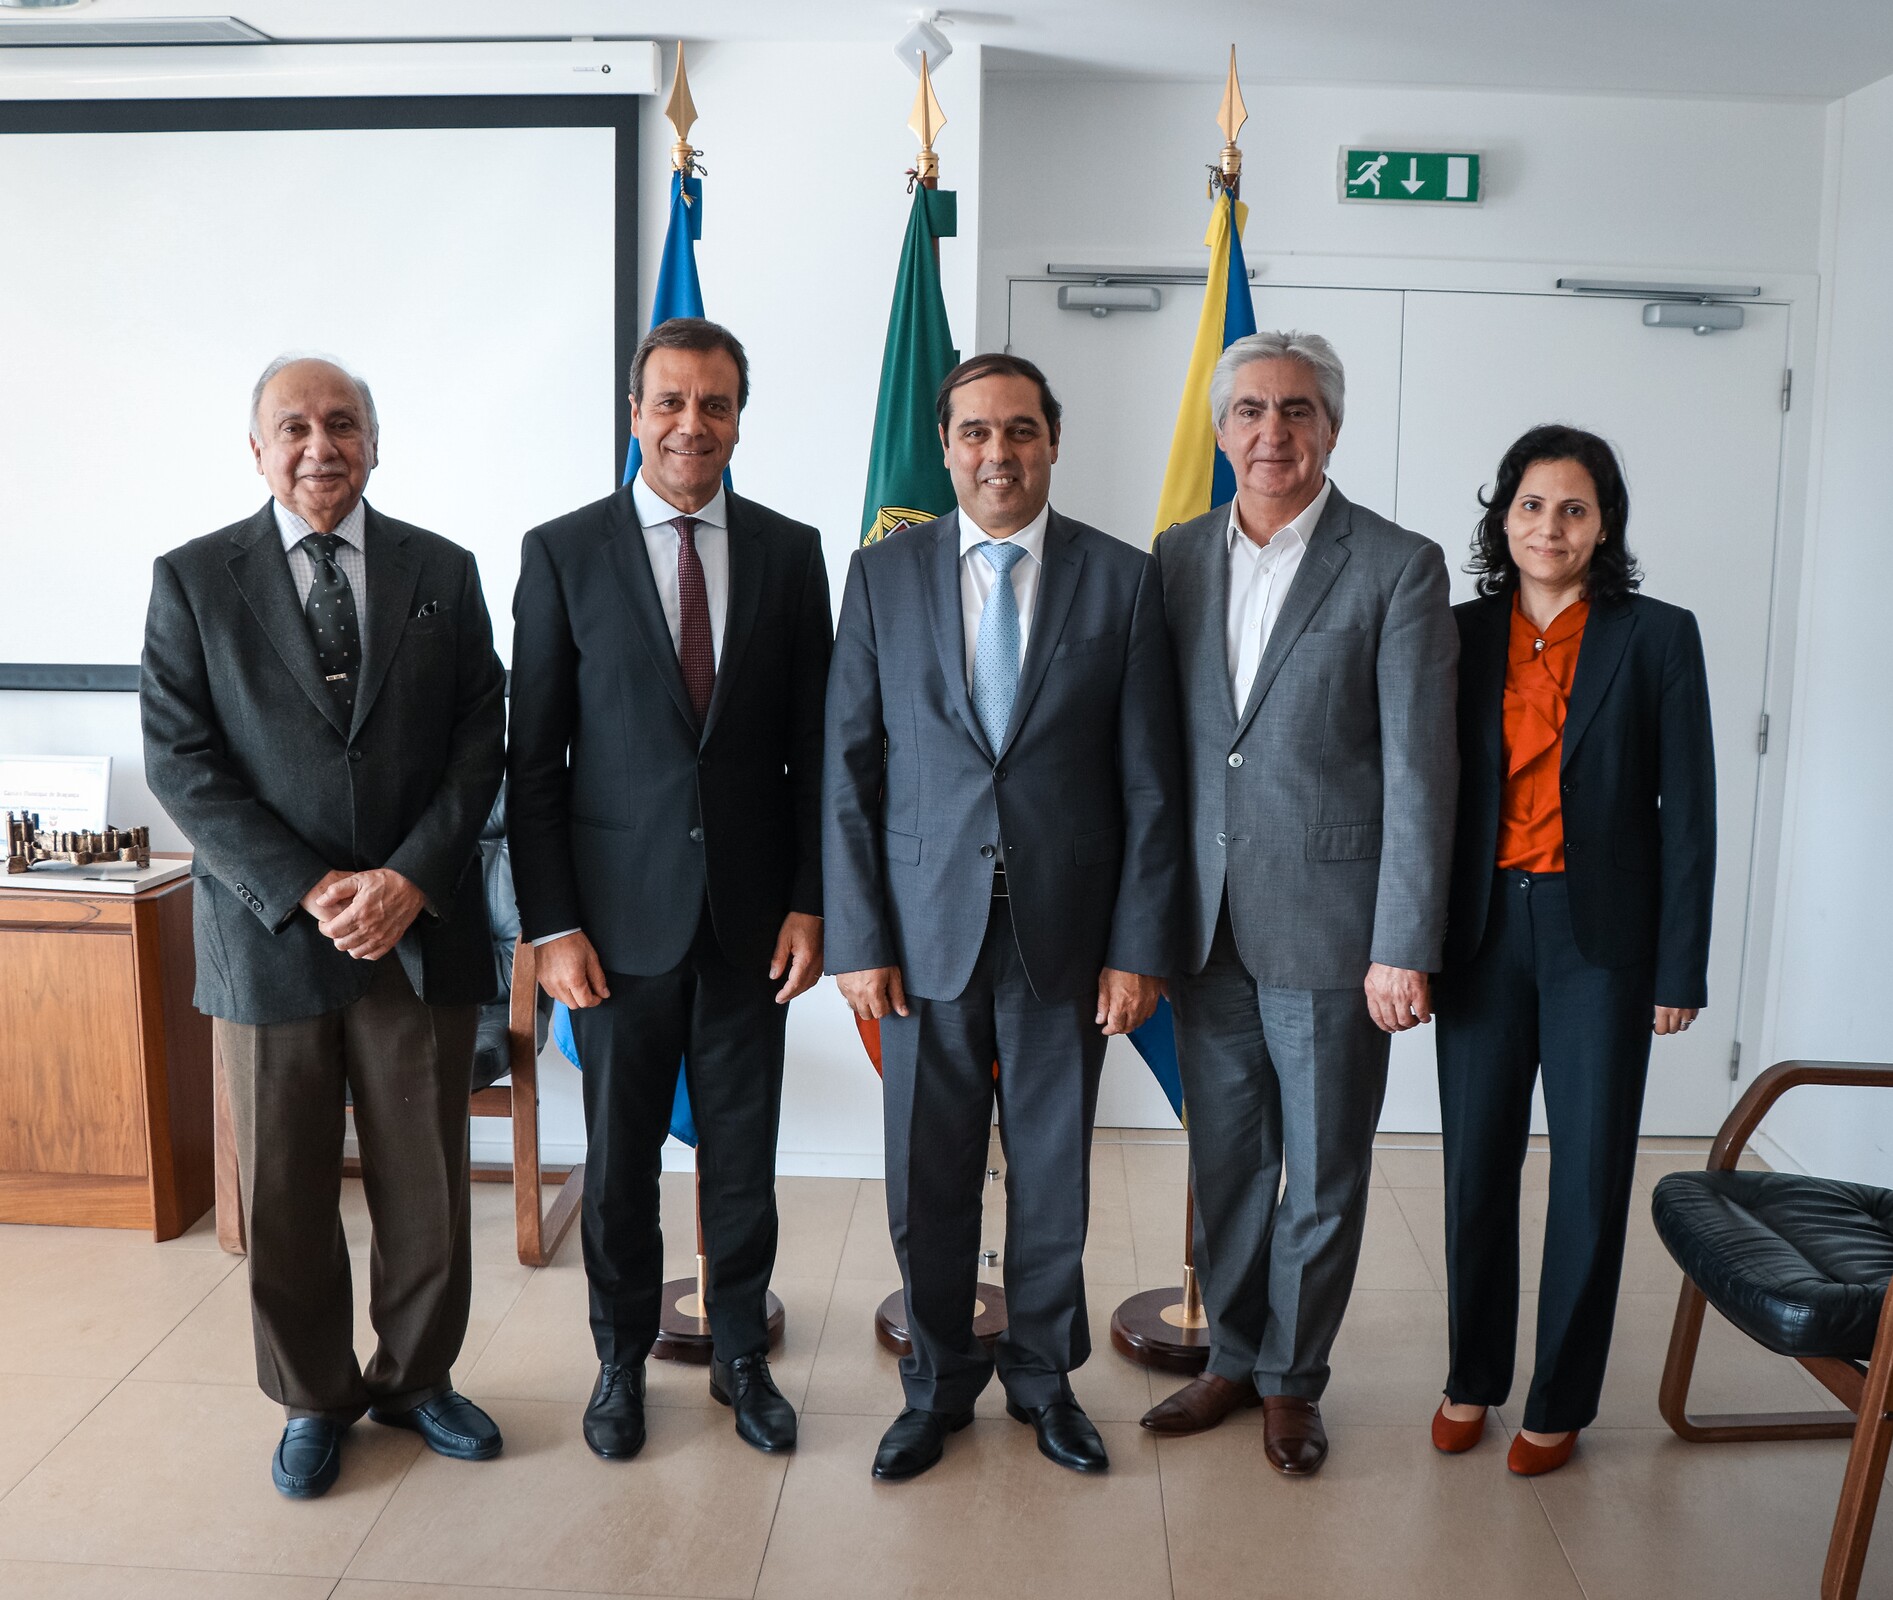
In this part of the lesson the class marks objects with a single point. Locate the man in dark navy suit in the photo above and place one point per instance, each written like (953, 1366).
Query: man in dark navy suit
(669, 654)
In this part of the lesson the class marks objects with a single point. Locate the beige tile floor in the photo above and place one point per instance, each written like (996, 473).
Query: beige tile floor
(134, 1446)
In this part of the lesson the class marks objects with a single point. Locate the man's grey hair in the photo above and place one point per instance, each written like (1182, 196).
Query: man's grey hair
(289, 359)
(1310, 349)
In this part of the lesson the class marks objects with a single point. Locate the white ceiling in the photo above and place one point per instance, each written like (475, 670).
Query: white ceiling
(1813, 48)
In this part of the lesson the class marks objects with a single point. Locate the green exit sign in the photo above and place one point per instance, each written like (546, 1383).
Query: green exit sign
(1411, 177)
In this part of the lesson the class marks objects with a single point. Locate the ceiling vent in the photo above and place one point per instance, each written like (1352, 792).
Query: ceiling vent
(133, 30)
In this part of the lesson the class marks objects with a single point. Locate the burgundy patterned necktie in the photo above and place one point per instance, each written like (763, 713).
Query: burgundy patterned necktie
(695, 653)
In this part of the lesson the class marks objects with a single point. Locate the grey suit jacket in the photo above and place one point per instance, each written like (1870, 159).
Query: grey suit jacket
(247, 749)
(1325, 805)
(1082, 794)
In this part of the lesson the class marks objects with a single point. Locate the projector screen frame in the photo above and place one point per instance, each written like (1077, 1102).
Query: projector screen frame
(264, 114)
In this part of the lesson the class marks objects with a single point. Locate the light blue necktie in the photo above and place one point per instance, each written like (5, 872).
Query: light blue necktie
(996, 652)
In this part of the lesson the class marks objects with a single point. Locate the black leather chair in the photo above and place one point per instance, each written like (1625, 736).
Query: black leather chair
(512, 1032)
(1801, 1265)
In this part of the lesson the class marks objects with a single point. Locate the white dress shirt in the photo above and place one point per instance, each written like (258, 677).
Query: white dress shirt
(978, 575)
(1259, 581)
(351, 556)
(712, 539)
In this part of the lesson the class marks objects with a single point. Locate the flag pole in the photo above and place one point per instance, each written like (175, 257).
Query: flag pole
(1167, 1328)
(684, 1303)
(989, 1303)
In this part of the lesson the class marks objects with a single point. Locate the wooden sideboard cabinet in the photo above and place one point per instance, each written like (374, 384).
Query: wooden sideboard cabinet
(105, 1073)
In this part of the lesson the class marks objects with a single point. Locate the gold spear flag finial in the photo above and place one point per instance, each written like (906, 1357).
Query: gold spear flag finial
(1230, 118)
(681, 112)
(927, 121)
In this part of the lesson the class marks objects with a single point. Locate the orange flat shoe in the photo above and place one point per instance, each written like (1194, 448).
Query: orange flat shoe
(1530, 1460)
(1456, 1437)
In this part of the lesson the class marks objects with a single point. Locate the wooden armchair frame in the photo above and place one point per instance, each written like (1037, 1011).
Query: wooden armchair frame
(540, 1229)
(1863, 1389)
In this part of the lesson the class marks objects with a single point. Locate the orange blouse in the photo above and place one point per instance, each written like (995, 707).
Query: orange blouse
(1539, 668)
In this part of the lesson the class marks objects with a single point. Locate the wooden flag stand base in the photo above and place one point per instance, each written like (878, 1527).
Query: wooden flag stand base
(989, 1312)
(890, 1318)
(1166, 1328)
(683, 1325)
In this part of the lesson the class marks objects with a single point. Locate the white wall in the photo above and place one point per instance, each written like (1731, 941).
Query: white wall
(1827, 995)
(1103, 170)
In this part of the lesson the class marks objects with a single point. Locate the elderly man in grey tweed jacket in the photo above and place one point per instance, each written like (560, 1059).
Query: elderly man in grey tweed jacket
(1316, 657)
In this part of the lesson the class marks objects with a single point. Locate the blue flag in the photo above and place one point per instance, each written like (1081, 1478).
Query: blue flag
(679, 294)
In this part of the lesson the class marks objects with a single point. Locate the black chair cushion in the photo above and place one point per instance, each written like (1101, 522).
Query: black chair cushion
(1798, 1264)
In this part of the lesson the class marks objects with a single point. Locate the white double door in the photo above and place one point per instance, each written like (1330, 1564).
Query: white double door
(1438, 385)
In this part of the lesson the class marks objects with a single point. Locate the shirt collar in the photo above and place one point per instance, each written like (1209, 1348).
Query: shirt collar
(352, 529)
(1298, 532)
(654, 510)
(1030, 538)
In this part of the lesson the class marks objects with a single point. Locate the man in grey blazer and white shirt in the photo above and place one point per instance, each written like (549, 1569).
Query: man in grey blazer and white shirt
(1316, 659)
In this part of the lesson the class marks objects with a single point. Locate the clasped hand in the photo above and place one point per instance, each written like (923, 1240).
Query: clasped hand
(364, 913)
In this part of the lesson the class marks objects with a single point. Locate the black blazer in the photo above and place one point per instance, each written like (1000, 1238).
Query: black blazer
(623, 816)
(1083, 794)
(247, 750)
(1639, 790)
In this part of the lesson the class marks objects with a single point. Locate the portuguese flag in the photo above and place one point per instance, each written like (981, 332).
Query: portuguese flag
(907, 480)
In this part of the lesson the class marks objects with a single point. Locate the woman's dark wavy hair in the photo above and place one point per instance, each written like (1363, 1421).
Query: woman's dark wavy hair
(1614, 570)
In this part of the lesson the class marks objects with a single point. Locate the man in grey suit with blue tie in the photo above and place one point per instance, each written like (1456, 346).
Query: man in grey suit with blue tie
(1001, 859)
(1316, 655)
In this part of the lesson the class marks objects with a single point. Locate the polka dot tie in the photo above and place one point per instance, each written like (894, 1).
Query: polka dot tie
(996, 652)
(333, 624)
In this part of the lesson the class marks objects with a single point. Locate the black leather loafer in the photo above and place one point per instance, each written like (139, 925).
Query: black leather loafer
(915, 1441)
(309, 1458)
(763, 1417)
(451, 1424)
(1066, 1434)
(614, 1418)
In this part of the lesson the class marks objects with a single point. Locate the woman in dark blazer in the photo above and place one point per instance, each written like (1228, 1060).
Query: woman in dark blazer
(1583, 870)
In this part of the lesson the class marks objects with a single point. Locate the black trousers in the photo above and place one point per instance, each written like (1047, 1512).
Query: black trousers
(1529, 1001)
(937, 1095)
(728, 1030)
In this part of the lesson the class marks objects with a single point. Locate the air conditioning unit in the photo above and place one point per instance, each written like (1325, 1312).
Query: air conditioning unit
(276, 71)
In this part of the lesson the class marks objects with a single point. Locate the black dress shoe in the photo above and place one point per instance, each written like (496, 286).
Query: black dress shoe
(309, 1458)
(916, 1440)
(451, 1424)
(1065, 1434)
(614, 1418)
(763, 1417)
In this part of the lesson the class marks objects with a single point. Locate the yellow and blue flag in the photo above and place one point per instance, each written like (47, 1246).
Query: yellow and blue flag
(1199, 476)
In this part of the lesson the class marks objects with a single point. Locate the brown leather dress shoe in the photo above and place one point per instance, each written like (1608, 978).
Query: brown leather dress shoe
(1293, 1438)
(1200, 1405)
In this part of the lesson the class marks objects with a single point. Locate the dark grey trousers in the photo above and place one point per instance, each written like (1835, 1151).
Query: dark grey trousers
(937, 1094)
(407, 1067)
(1276, 1080)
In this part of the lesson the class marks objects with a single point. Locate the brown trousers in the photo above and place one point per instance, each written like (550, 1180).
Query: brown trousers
(406, 1066)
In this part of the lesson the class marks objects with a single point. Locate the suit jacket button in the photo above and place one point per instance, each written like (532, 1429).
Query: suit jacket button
(1572, 849)
(354, 755)
(1220, 839)
(697, 834)
(1235, 759)
(986, 850)
(999, 774)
